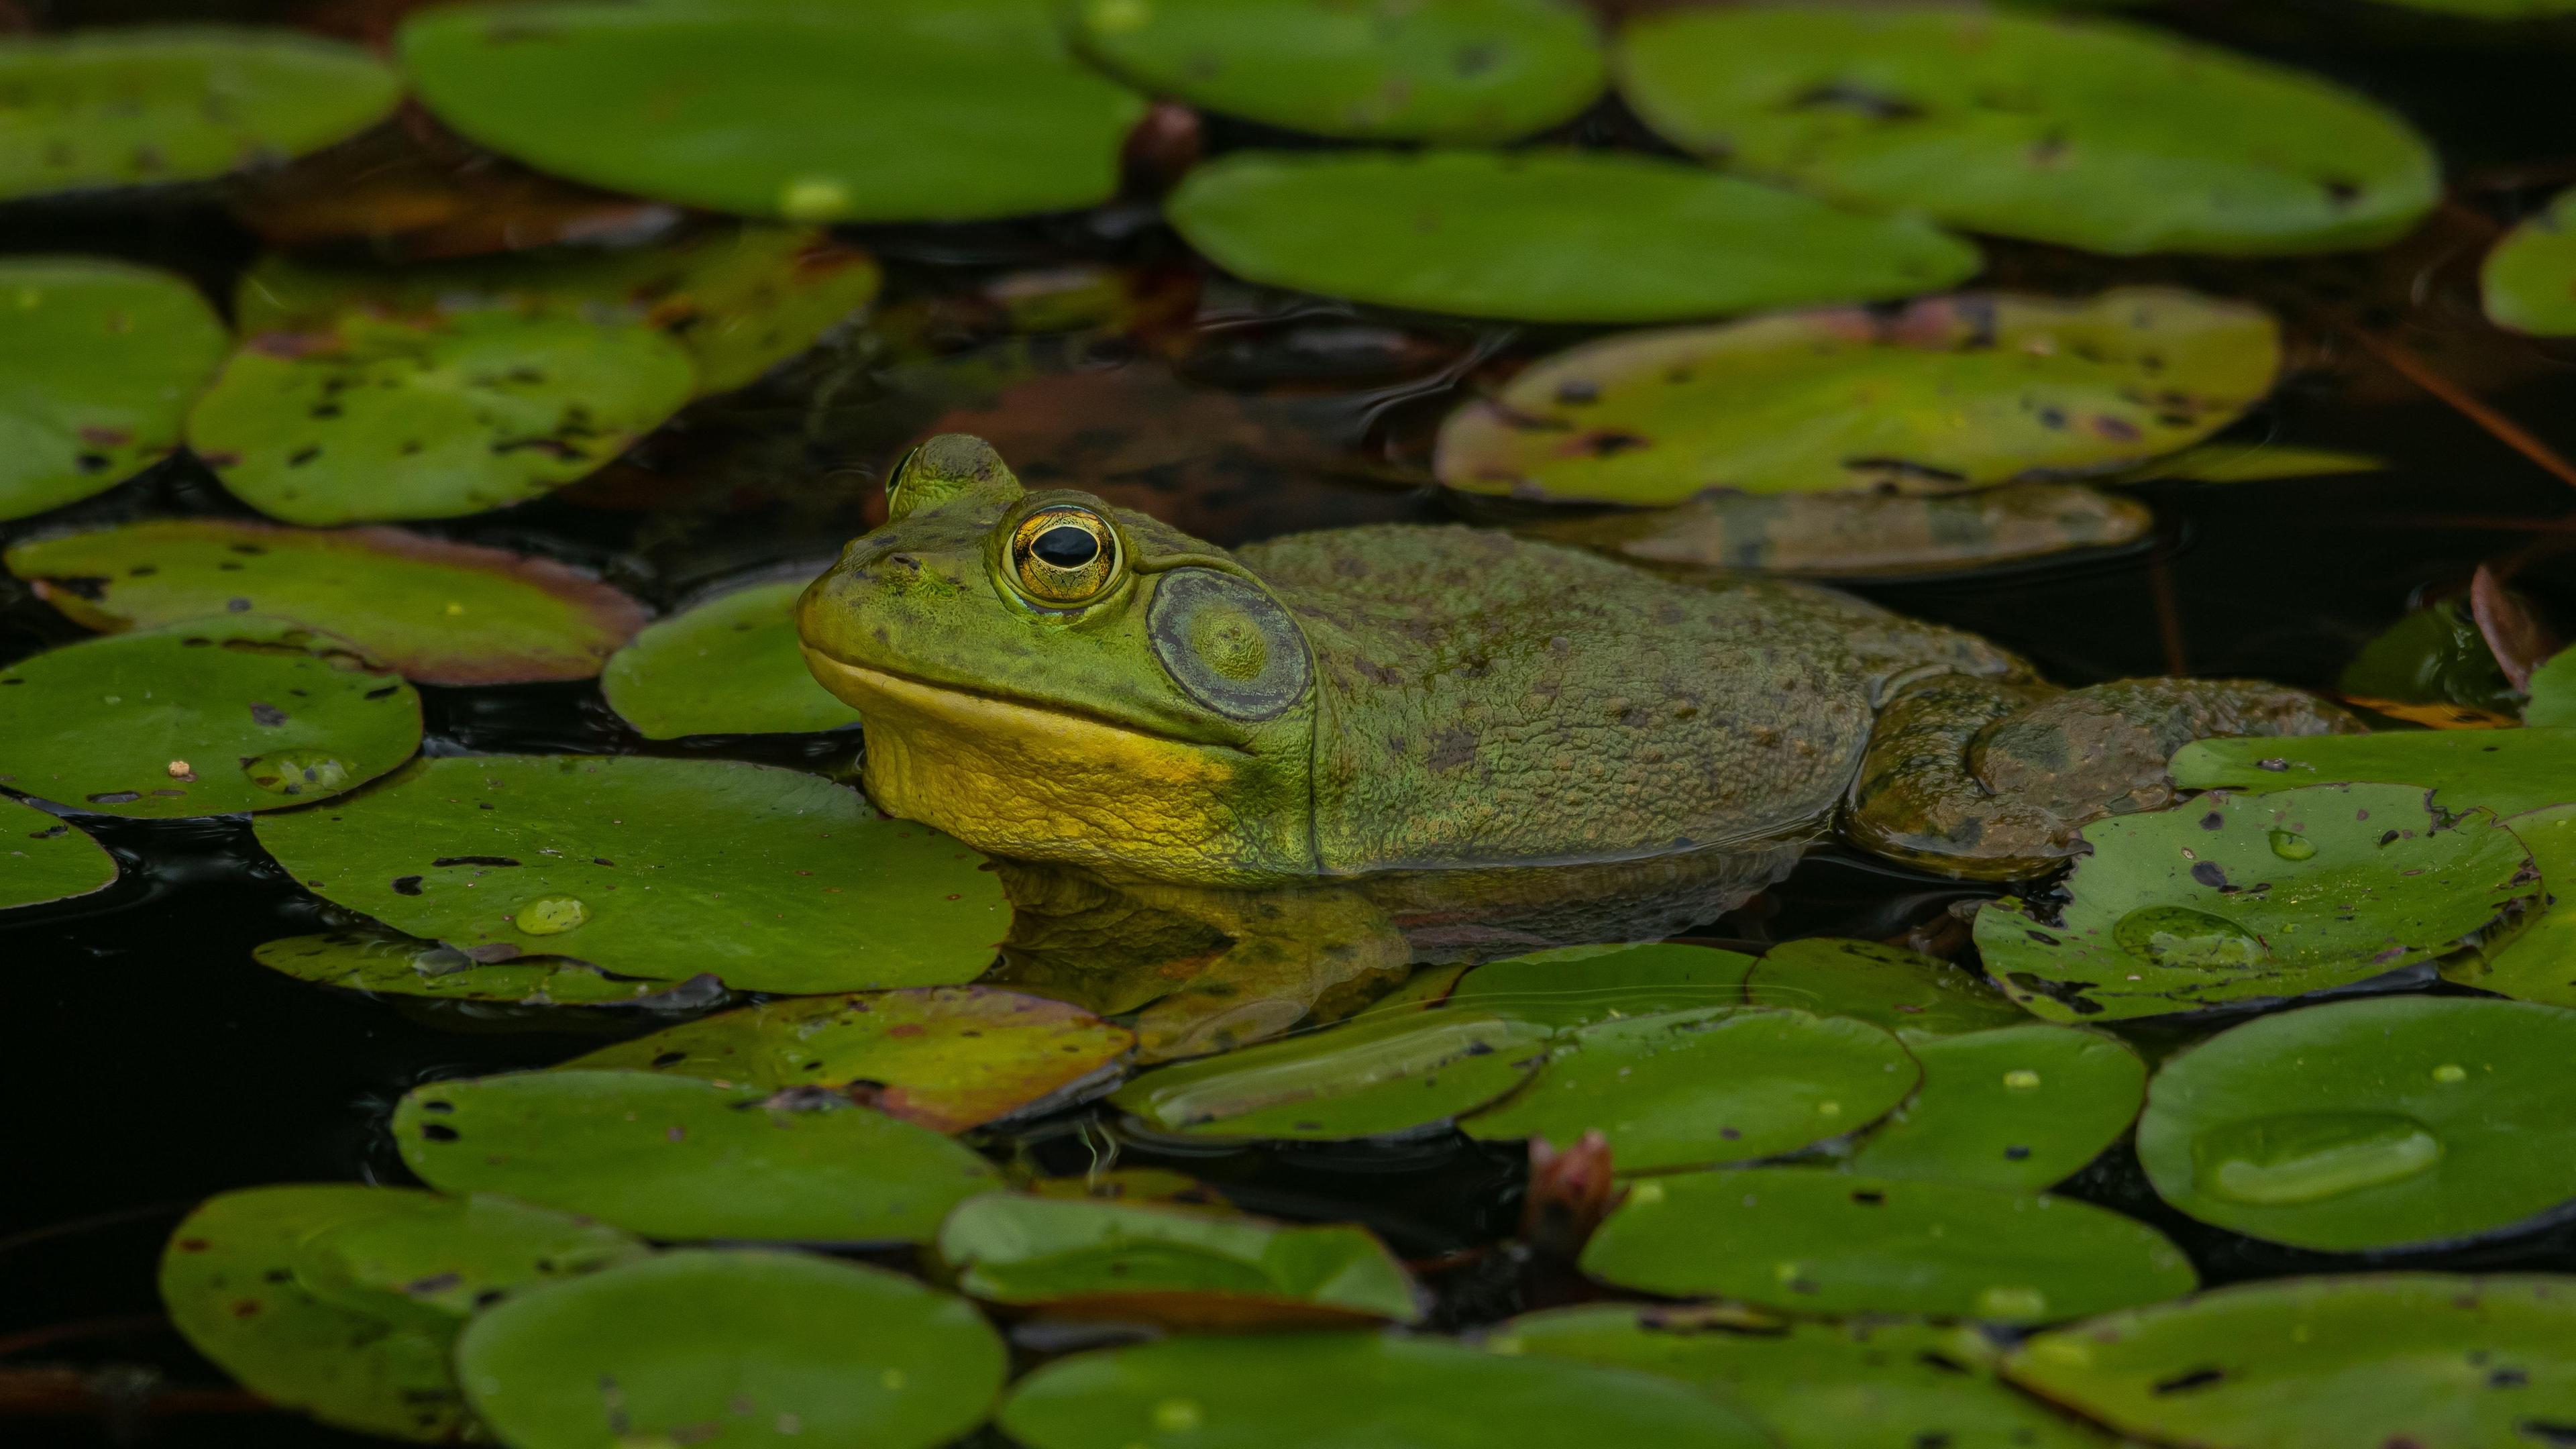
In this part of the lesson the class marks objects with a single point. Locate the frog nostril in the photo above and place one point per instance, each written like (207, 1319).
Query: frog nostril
(904, 561)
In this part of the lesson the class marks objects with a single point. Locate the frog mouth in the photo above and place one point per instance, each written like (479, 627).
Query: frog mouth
(972, 708)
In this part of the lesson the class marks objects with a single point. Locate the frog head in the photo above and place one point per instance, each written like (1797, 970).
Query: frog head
(1048, 677)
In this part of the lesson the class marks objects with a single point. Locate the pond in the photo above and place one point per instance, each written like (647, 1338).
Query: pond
(1288, 722)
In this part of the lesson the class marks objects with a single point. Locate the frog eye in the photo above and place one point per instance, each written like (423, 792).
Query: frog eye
(1064, 555)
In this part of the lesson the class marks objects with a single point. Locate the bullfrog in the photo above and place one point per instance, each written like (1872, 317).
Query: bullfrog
(1401, 730)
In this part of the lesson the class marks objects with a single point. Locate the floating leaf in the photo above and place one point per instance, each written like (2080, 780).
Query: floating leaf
(44, 859)
(133, 106)
(947, 1057)
(2085, 132)
(430, 417)
(2018, 1107)
(2434, 655)
(2529, 278)
(2432, 1360)
(1547, 236)
(2252, 463)
(1808, 1241)
(1947, 393)
(2507, 771)
(2368, 1124)
(1186, 1267)
(737, 1347)
(1860, 535)
(398, 965)
(98, 363)
(1691, 1088)
(203, 718)
(2245, 897)
(1578, 985)
(1903, 991)
(802, 889)
(2538, 962)
(676, 1157)
(1364, 1079)
(916, 110)
(2553, 692)
(1454, 70)
(727, 665)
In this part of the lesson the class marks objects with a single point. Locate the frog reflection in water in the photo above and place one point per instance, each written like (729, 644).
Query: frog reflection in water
(1291, 769)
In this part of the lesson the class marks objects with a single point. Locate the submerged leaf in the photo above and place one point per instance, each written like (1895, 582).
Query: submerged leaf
(44, 859)
(2434, 655)
(1366, 1078)
(725, 665)
(98, 363)
(1577, 985)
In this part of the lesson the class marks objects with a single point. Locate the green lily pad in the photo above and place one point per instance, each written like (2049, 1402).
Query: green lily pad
(1367, 1078)
(2434, 655)
(1948, 393)
(204, 718)
(1808, 1241)
(2085, 132)
(430, 417)
(440, 612)
(2507, 771)
(1179, 1265)
(2018, 1107)
(947, 1057)
(911, 110)
(393, 964)
(1452, 70)
(98, 363)
(341, 1301)
(1859, 535)
(733, 1347)
(44, 859)
(2368, 1124)
(2233, 898)
(1868, 1384)
(2553, 692)
(1579, 985)
(1547, 236)
(1331, 1390)
(2529, 278)
(2538, 962)
(135, 106)
(2432, 1360)
(728, 665)
(1692, 1088)
(1904, 991)
(614, 862)
(676, 1157)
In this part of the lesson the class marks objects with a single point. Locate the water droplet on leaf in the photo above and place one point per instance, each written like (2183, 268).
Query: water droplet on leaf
(551, 915)
(298, 772)
(2290, 845)
(2310, 1156)
(2185, 939)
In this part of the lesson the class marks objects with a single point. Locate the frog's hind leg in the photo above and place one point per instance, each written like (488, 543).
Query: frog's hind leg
(1991, 780)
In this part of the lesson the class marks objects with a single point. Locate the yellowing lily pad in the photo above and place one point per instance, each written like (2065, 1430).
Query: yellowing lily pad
(2529, 279)
(1578, 985)
(1367, 1078)
(2018, 1107)
(394, 964)
(44, 859)
(2507, 771)
(1948, 393)
(727, 665)
(439, 612)
(98, 363)
(203, 718)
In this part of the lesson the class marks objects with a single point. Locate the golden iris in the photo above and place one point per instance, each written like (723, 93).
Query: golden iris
(1064, 555)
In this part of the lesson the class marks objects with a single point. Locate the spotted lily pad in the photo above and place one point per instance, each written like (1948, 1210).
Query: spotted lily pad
(2368, 1124)
(394, 964)
(203, 718)
(1904, 991)
(2081, 131)
(135, 106)
(430, 417)
(1174, 1265)
(2433, 1360)
(1947, 393)
(2018, 1107)
(1547, 236)
(98, 363)
(733, 1347)
(1367, 1078)
(2243, 897)
(2538, 962)
(2507, 771)
(947, 1057)
(1860, 535)
(1451, 70)
(2529, 279)
(911, 110)
(677, 1157)
(728, 665)
(620, 863)
(1691, 1088)
(44, 859)
(1578, 985)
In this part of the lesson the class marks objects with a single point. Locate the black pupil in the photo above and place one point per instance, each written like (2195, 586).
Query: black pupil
(1065, 546)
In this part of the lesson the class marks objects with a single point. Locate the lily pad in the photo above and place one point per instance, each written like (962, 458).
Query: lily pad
(2434, 655)
(394, 964)
(136, 106)
(1547, 236)
(1807, 1241)
(911, 110)
(614, 862)
(1368, 1078)
(1860, 535)
(2086, 132)
(2507, 771)
(2019, 1107)
(2553, 692)
(440, 612)
(947, 1057)
(1691, 1088)
(728, 665)
(1868, 1384)
(734, 1347)
(2529, 278)
(2538, 962)
(2433, 1360)
(1904, 991)
(1578, 985)
(1387, 70)
(676, 1157)
(1331, 1390)
(430, 417)
(98, 363)
(2227, 462)
(2368, 1124)
(43, 858)
(203, 718)
(2233, 898)
(1183, 1266)
(1948, 393)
